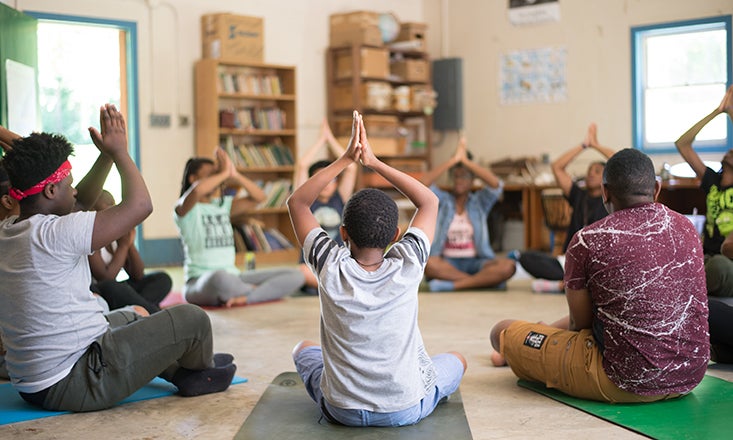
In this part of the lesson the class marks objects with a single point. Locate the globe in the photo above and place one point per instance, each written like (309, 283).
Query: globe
(389, 27)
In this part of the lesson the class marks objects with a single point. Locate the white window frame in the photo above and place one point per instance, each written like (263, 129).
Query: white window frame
(638, 81)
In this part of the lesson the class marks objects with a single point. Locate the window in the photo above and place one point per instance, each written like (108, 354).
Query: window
(680, 72)
(82, 64)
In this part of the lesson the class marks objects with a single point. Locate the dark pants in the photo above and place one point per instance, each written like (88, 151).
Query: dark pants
(147, 292)
(130, 354)
(721, 329)
(541, 265)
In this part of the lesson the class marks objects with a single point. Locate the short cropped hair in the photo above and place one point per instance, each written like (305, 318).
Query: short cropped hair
(370, 218)
(317, 166)
(629, 175)
(35, 157)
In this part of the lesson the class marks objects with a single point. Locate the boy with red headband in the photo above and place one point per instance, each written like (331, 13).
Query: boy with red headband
(62, 354)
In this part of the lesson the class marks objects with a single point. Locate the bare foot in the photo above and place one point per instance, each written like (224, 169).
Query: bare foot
(236, 301)
(497, 359)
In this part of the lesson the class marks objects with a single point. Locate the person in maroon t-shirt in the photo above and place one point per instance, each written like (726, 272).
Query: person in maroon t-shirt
(635, 286)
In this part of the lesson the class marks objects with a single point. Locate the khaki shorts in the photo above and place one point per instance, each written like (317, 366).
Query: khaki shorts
(566, 360)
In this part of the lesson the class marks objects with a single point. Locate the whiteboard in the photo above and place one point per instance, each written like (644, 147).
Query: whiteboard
(22, 100)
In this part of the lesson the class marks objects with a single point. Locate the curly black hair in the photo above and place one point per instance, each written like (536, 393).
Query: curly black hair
(35, 157)
(370, 218)
(629, 175)
(192, 167)
(4, 180)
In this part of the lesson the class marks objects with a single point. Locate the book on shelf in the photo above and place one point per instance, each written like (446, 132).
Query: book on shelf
(254, 237)
(249, 82)
(264, 155)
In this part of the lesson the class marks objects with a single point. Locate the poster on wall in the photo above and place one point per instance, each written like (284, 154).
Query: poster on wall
(533, 11)
(533, 75)
(22, 101)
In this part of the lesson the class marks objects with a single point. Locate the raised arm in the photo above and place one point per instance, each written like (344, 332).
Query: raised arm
(102, 271)
(684, 143)
(91, 186)
(6, 138)
(205, 186)
(482, 173)
(347, 181)
(305, 161)
(562, 177)
(420, 195)
(255, 194)
(134, 265)
(432, 175)
(135, 205)
(592, 142)
(303, 197)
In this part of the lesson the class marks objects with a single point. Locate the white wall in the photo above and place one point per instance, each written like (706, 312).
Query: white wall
(596, 34)
(296, 33)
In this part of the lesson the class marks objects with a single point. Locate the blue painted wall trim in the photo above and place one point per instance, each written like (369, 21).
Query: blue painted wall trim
(162, 252)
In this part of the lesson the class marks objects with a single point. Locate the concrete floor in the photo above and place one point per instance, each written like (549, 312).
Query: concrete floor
(261, 337)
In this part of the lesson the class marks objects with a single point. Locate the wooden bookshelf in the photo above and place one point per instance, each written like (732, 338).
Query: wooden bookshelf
(249, 109)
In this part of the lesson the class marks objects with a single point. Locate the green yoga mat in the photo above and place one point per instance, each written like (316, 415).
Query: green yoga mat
(703, 414)
(285, 412)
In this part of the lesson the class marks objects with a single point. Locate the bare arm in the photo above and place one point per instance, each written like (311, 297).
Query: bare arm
(134, 265)
(420, 195)
(432, 175)
(102, 271)
(482, 173)
(90, 187)
(347, 181)
(305, 161)
(581, 309)
(202, 187)
(591, 141)
(563, 178)
(6, 138)
(727, 247)
(255, 194)
(135, 205)
(684, 143)
(303, 197)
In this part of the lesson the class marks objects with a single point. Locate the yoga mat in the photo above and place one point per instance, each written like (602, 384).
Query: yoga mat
(702, 414)
(14, 409)
(285, 412)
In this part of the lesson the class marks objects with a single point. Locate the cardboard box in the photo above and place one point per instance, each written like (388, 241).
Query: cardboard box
(358, 19)
(411, 70)
(422, 97)
(412, 31)
(233, 38)
(376, 126)
(373, 63)
(376, 95)
(356, 27)
(347, 36)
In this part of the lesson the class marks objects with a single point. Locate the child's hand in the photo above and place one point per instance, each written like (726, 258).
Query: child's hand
(223, 161)
(726, 105)
(113, 138)
(591, 138)
(353, 151)
(461, 155)
(367, 155)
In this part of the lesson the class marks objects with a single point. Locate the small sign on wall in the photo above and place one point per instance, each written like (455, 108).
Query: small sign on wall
(533, 11)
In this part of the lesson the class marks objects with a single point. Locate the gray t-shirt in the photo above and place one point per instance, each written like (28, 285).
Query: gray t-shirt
(48, 315)
(373, 353)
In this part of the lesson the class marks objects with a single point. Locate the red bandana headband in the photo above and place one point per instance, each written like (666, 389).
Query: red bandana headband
(57, 176)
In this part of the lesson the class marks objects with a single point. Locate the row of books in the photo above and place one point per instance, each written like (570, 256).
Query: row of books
(277, 192)
(254, 238)
(250, 83)
(253, 156)
(253, 118)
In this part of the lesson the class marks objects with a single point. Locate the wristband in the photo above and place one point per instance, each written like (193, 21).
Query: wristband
(585, 146)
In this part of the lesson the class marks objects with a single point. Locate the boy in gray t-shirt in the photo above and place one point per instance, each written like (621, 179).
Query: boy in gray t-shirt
(373, 369)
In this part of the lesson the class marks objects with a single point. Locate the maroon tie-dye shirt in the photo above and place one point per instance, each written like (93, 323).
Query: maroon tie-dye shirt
(644, 269)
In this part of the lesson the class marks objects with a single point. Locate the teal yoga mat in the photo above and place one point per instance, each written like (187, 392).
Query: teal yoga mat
(703, 414)
(14, 409)
(285, 412)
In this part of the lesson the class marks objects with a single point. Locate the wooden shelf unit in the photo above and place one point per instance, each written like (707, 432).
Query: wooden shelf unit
(413, 160)
(267, 92)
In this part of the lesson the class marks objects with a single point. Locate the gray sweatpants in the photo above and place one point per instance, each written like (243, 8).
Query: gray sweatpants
(217, 287)
(131, 353)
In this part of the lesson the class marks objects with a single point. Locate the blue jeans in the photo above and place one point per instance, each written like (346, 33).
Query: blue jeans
(309, 363)
(470, 266)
